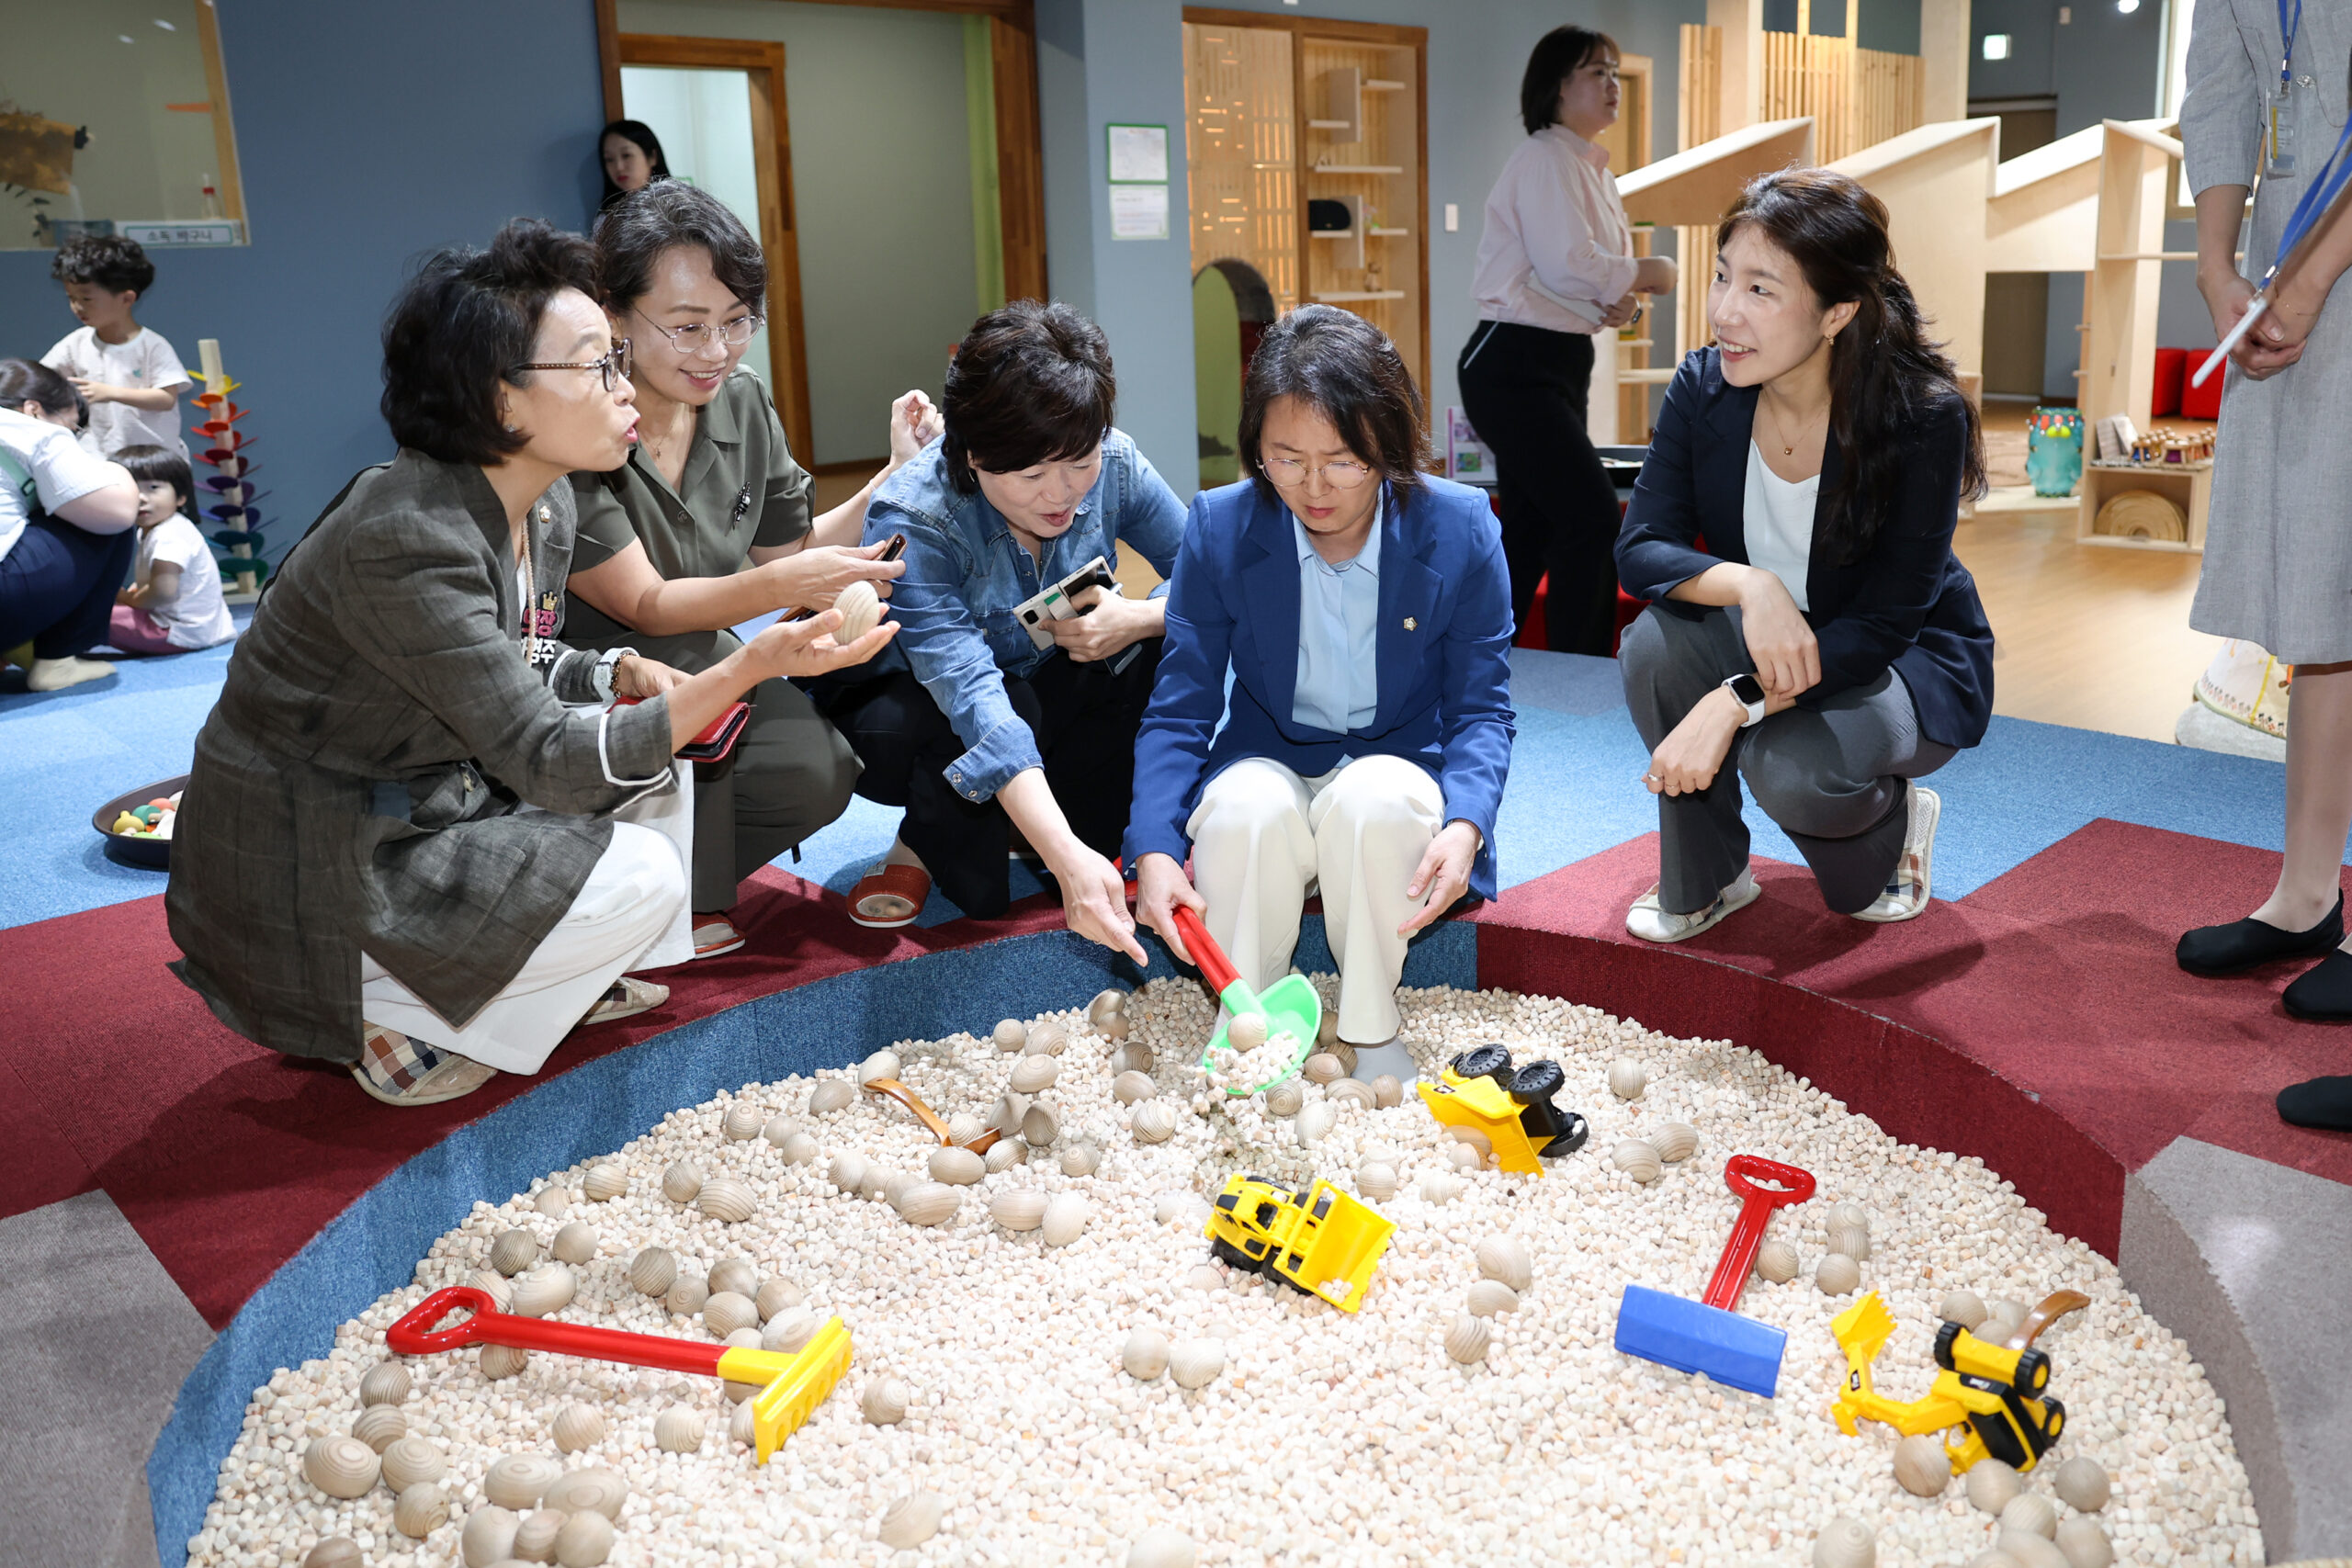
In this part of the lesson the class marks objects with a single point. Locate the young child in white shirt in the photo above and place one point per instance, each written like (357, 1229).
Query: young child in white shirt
(130, 377)
(173, 603)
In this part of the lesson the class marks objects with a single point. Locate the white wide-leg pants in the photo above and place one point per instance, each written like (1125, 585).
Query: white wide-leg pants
(1262, 837)
(630, 914)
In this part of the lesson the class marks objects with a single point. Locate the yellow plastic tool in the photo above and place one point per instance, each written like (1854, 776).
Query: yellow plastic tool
(796, 1382)
(1325, 1244)
(1481, 1104)
(1988, 1400)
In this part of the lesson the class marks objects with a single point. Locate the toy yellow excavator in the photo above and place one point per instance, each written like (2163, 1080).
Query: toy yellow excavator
(1511, 1107)
(1324, 1242)
(1988, 1400)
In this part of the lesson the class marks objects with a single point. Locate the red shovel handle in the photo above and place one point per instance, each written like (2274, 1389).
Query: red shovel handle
(1742, 1173)
(415, 1336)
(1216, 968)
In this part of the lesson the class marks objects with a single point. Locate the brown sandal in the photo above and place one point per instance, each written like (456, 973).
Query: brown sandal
(889, 897)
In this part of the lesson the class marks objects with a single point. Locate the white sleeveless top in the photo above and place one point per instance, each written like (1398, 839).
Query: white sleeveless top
(1778, 519)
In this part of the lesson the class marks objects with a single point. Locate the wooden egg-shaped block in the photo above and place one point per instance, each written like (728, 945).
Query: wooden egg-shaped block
(1081, 1159)
(1488, 1297)
(420, 1510)
(552, 1202)
(1011, 1035)
(575, 1243)
(884, 1401)
(727, 1312)
(1159, 1547)
(963, 1127)
(2032, 1512)
(1850, 1214)
(1467, 1341)
(1132, 1057)
(2085, 1544)
(911, 1520)
(1637, 1158)
(578, 1427)
(1838, 1275)
(519, 1481)
(1674, 1141)
(1922, 1467)
(1185, 1209)
(1853, 1240)
(1777, 1261)
(861, 612)
(1285, 1097)
(1327, 1034)
(1018, 1209)
(1003, 1155)
(499, 1361)
(1065, 1218)
(493, 1284)
(1345, 1053)
(1845, 1544)
(1478, 1141)
(1376, 1182)
(534, 1536)
(740, 1427)
(342, 1552)
(1627, 1079)
(1439, 1187)
(1049, 1039)
(828, 1096)
(790, 1329)
(681, 1181)
(1350, 1091)
(687, 1297)
(1992, 1486)
(881, 1064)
(847, 1172)
(775, 1296)
(1324, 1067)
(1145, 1355)
(2027, 1549)
(584, 1542)
(1505, 1257)
(1964, 1307)
(779, 1127)
(487, 1536)
(1387, 1092)
(727, 1200)
(1114, 1027)
(605, 1182)
(678, 1430)
(735, 1274)
(744, 1121)
(379, 1425)
(1247, 1031)
(1038, 1128)
(957, 1167)
(1152, 1121)
(652, 1272)
(386, 1382)
(1462, 1157)
(1205, 1277)
(340, 1467)
(1105, 1006)
(513, 1251)
(544, 1289)
(1313, 1121)
(2082, 1485)
(929, 1203)
(1032, 1075)
(1006, 1113)
(577, 1489)
(1196, 1364)
(411, 1461)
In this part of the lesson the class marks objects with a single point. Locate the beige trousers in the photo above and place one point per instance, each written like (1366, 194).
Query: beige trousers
(1263, 837)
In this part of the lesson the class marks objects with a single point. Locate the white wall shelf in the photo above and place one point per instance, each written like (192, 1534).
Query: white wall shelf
(1352, 296)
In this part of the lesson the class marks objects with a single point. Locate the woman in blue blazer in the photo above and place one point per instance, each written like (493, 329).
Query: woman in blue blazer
(1792, 528)
(1363, 613)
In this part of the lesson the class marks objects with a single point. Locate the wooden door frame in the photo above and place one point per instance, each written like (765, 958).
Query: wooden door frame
(763, 64)
(1389, 35)
(1020, 148)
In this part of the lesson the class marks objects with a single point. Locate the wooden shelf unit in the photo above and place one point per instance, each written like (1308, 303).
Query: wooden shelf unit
(2188, 485)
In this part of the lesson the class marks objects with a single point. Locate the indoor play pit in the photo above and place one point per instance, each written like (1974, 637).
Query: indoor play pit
(1044, 1354)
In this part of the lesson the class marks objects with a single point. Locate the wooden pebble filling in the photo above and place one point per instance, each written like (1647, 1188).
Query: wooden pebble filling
(1041, 1448)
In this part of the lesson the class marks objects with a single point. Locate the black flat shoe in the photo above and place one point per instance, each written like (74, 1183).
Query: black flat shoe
(2324, 1103)
(2322, 993)
(2243, 944)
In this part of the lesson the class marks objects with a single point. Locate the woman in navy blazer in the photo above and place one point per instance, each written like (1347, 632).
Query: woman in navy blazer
(1792, 528)
(1363, 612)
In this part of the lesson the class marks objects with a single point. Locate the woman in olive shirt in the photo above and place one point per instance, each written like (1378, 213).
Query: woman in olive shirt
(658, 565)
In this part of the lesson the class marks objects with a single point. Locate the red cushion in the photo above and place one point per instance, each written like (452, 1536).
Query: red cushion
(2205, 401)
(2172, 369)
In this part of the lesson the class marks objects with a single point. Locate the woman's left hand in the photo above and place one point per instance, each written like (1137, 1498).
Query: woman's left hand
(1443, 873)
(1688, 760)
(915, 423)
(1113, 623)
(640, 677)
(1623, 312)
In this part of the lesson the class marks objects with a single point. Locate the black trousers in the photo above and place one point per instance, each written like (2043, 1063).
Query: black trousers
(1527, 392)
(57, 586)
(1084, 718)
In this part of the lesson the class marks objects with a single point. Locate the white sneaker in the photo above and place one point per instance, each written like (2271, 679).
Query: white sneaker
(56, 674)
(1905, 897)
(1651, 923)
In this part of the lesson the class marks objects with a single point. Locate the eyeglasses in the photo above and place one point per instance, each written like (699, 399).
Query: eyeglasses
(613, 368)
(695, 336)
(1342, 474)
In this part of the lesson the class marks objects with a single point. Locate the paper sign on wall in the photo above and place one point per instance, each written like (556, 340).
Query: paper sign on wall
(1138, 154)
(1139, 212)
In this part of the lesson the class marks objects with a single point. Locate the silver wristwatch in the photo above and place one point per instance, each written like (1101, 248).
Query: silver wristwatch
(1748, 693)
(607, 662)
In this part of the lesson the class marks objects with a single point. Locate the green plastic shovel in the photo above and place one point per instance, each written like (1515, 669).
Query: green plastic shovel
(1290, 1003)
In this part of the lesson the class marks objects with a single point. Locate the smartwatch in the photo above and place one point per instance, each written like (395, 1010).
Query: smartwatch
(1748, 691)
(607, 662)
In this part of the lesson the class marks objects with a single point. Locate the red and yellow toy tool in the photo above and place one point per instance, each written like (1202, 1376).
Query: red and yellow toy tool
(792, 1384)
(1989, 1400)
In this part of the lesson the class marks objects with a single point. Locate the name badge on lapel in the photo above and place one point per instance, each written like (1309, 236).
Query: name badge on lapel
(742, 503)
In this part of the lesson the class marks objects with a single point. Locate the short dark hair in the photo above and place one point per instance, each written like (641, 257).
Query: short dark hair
(1345, 369)
(114, 263)
(1030, 383)
(161, 465)
(462, 322)
(635, 130)
(631, 236)
(1556, 53)
(24, 381)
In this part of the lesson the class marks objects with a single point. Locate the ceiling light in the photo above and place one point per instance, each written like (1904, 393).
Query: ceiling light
(1997, 46)
(2127, 6)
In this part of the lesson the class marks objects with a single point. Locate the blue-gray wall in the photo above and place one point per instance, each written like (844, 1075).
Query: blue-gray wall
(366, 134)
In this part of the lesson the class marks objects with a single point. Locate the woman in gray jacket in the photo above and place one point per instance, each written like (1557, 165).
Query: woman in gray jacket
(398, 848)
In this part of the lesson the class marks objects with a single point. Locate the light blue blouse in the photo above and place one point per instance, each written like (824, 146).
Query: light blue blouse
(1338, 619)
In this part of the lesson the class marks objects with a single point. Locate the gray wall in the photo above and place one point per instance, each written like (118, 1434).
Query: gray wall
(882, 186)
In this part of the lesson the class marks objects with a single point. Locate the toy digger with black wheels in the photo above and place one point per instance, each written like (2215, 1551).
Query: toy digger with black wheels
(1323, 1243)
(1989, 1400)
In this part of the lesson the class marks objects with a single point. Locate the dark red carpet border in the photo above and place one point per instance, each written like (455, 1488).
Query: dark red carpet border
(2038, 1024)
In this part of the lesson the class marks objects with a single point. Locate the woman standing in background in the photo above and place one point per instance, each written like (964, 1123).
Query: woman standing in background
(1555, 267)
(631, 155)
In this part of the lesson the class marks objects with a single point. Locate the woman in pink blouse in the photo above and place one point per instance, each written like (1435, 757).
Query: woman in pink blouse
(1554, 268)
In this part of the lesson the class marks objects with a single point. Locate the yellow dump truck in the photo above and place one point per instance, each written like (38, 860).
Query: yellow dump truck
(1323, 1242)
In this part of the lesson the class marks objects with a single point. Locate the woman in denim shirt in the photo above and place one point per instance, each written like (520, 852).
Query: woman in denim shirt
(965, 723)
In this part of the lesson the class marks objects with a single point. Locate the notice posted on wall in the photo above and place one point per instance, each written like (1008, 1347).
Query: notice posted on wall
(1466, 457)
(1138, 213)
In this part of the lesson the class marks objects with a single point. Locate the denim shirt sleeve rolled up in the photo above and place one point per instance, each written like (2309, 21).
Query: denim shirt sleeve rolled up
(966, 574)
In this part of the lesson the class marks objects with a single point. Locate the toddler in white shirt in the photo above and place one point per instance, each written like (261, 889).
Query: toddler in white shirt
(173, 603)
(132, 379)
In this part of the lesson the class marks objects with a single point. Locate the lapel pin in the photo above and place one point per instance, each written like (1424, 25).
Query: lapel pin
(1411, 625)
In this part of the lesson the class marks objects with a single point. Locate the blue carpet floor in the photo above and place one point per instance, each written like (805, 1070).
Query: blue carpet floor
(1573, 792)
